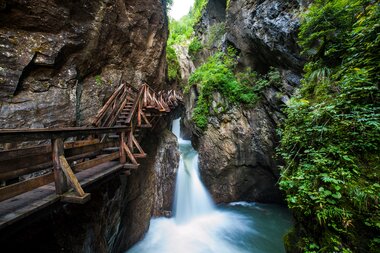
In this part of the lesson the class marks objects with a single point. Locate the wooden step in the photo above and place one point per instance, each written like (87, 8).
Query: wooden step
(131, 166)
(110, 150)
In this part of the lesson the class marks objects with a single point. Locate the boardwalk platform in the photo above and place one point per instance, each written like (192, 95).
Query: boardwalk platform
(70, 159)
(23, 205)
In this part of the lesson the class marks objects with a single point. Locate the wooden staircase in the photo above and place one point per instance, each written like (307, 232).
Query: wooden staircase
(137, 109)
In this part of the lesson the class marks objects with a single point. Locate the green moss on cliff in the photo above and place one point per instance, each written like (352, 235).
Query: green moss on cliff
(218, 75)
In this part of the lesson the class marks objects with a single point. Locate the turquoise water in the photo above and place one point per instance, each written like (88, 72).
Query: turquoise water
(199, 226)
(239, 227)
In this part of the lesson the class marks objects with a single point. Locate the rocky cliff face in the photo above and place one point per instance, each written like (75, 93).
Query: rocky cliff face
(237, 151)
(60, 60)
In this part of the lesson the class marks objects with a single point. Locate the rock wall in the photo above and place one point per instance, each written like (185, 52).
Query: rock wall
(237, 151)
(61, 60)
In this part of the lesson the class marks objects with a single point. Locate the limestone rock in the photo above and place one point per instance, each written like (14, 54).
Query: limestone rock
(237, 151)
(68, 56)
(266, 32)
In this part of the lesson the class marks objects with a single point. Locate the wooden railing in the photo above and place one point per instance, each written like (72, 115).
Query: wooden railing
(57, 161)
(53, 160)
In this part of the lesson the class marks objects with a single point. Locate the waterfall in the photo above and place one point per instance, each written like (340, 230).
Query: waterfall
(191, 197)
(198, 226)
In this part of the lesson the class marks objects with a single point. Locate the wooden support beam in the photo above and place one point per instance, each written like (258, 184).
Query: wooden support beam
(145, 119)
(138, 146)
(13, 190)
(70, 176)
(59, 176)
(77, 144)
(130, 140)
(96, 161)
(130, 155)
(123, 158)
(139, 111)
(71, 197)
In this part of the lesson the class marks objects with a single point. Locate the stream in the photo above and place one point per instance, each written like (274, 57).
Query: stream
(200, 226)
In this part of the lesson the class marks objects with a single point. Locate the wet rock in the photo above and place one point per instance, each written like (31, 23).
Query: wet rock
(237, 151)
(236, 156)
(266, 33)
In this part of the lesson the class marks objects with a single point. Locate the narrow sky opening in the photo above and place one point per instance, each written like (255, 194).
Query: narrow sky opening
(180, 8)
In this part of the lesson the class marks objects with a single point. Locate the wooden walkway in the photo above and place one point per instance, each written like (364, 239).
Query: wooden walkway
(76, 157)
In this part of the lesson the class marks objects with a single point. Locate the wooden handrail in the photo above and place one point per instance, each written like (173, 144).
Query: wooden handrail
(18, 135)
(103, 111)
(135, 105)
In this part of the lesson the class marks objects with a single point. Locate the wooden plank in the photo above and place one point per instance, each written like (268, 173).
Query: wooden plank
(24, 152)
(10, 191)
(90, 148)
(23, 171)
(70, 176)
(22, 206)
(18, 135)
(70, 197)
(130, 155)
(19, 163)
(59, 176)
(123, 158)
(91, 163)
(77, 144)
(131, 166)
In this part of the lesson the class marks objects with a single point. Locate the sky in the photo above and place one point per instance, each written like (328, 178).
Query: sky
(180, 8)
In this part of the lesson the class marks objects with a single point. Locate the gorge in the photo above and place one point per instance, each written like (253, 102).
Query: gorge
(279, 142)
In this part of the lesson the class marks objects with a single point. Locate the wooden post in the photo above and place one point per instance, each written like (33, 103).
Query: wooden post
(123, 158)
(130, 138)
(59, 176)
(139, 114)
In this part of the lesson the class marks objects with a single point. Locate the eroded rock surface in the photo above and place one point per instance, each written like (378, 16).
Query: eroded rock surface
(237, 151)
(60, 60)
(266, 32)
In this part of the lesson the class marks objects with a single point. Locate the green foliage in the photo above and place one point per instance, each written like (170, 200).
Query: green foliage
(179, 33)
(194, 47)
(173, 64)
(331, 139)
(217, 75)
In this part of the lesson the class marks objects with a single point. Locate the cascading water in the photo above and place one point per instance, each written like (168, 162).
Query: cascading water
(191, 197)
(200, 227)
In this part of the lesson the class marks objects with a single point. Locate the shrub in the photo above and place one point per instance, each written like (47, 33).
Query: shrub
(330, 141)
